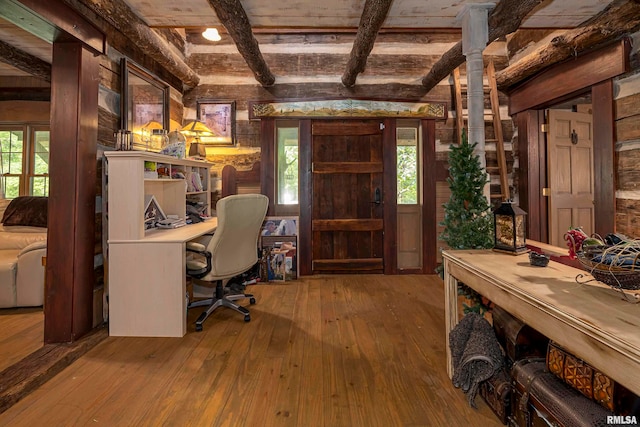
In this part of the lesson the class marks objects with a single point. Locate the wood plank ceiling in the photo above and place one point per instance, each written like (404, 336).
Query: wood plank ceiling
(329, 16)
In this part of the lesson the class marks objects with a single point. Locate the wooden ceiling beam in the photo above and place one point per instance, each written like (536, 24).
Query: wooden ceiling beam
(373, 16)
(504, 19)
(25, 61)
(120, 16)
(235, 20)
(617, 19)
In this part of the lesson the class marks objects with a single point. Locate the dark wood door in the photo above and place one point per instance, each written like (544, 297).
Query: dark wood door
(347, 209)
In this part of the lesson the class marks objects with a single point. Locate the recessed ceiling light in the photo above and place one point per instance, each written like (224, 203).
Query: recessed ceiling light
(211, 34)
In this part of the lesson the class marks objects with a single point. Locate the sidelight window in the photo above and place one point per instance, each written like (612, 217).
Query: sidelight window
(287, 163)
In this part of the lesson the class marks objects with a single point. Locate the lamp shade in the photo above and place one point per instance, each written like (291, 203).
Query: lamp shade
(196, 128)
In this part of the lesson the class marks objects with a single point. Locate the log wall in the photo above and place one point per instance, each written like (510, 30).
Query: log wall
(627, 116)
(310, 66)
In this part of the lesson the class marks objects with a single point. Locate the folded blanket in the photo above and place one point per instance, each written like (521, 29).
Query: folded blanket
(475, 352)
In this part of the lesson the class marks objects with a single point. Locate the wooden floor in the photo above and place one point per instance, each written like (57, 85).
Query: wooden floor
(21, 333)
(322, 351)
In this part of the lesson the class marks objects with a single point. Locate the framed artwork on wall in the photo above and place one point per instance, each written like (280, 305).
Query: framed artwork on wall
(220, 117)
(144, 104)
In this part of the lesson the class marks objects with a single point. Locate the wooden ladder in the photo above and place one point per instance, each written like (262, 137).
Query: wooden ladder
(497, 124)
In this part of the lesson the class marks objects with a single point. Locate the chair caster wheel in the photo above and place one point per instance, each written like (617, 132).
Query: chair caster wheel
(252, 300)
(198, 328)
(247, 318)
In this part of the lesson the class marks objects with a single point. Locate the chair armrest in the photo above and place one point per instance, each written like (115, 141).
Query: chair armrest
(195, 247)
(33, 246)
(196, 268)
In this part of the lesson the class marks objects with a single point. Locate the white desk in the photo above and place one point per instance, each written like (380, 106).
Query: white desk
(589, 320)
(147, 291)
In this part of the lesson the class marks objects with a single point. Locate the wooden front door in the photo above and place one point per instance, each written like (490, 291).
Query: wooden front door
(570, 169)
(347, 209)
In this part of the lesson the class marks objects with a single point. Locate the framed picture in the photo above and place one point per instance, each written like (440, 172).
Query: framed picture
(279, 236)
(220, 117)
(144, 103)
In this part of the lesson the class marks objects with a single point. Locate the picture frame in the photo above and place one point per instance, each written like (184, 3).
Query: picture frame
(279, 236)
(144, 103)
(220, 117)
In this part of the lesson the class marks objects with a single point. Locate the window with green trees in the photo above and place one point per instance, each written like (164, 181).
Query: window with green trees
(407, 165)
(287, 163)
(24, 160)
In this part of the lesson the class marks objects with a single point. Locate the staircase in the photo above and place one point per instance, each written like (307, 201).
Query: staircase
(492, 89)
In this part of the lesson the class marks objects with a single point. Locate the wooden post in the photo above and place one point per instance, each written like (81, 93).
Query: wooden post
(74, 131)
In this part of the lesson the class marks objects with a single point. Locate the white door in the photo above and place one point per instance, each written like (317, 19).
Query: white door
(570, 173)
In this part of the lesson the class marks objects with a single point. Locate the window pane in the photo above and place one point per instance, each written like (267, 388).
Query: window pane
(12, 145)
(11, 186)
(407, 174)
(40, 186)
(287, 164)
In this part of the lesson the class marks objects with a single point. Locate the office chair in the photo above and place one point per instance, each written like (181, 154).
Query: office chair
(232, 250)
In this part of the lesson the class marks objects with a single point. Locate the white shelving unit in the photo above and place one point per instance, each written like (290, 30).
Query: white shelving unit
(147, 283)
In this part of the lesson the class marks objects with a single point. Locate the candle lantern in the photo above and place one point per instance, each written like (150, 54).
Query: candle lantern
(509, 228)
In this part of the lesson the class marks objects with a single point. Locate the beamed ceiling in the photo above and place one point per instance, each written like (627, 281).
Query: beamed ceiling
(365, 18)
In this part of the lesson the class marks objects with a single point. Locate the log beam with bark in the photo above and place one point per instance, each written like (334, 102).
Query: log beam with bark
(504, 19)
(235, 20)
(373, 15)
(25, 61)
(119, 15)
(617, 19)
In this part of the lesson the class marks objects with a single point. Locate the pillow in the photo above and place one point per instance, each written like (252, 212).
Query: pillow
(26, 210)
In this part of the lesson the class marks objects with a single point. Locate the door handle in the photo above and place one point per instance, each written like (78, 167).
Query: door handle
(377, 198)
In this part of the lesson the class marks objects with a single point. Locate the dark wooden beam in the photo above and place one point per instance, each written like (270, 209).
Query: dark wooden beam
(53, 21)
(617, 19)
(25, 61)
(120, 15)
(373, 15)
(552, 85)
(234, 18)
(25, 94)
(504, 19)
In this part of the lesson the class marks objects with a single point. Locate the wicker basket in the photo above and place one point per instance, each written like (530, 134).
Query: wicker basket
(625, 277)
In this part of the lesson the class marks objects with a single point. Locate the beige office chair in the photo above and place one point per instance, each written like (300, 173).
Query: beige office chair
(232, 250)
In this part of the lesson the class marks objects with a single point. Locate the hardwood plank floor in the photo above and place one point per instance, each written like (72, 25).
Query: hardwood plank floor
(366, 350)
(21, 333)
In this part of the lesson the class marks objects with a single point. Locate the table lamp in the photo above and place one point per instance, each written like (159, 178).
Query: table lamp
(196, 129)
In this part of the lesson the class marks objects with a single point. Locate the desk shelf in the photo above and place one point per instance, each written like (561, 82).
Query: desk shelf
(146, 280)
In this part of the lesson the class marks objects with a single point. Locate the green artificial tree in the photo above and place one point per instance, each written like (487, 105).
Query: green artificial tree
(468, 220)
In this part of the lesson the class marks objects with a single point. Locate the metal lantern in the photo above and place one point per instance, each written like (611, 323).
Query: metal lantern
(509, 228)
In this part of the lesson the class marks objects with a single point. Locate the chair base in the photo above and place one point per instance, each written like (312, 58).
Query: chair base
(221, 300)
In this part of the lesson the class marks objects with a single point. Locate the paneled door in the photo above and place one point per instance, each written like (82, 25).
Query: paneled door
(570, 169)
(347, 200)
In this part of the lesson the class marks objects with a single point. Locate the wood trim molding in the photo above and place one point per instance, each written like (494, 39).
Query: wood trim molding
(389, 184)
(305, 243)
(552, 85)
(604, 141)
(429, 208)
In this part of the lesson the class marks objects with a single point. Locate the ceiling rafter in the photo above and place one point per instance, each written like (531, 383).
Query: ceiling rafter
(617, 19)
(235, 20)
(504, 19)
(373, 16)
(120, 15)
(25, 61)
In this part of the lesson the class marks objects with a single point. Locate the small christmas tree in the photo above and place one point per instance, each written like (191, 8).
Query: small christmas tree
(468, 221)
